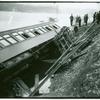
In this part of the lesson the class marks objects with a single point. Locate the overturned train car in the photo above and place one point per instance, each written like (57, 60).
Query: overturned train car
(25, 55)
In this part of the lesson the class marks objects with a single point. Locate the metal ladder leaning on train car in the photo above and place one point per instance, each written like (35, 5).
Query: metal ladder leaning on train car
(65, 56)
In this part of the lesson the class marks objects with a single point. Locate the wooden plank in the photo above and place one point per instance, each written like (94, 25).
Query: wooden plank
(36, 80)
(61, 59)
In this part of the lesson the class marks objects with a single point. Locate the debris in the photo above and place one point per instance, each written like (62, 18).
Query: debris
(83, 77)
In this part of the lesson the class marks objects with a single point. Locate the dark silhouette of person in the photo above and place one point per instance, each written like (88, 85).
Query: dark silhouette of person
(94, 17)
(71, 19)
(75, 30)
(79, 19)
(86, 19)
(98, 17)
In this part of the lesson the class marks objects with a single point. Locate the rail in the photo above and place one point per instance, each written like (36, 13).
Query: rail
(70, 47)
(63, 57)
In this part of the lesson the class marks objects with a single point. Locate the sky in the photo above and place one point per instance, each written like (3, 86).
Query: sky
(77, 7)
(25, 14)
(50, 7)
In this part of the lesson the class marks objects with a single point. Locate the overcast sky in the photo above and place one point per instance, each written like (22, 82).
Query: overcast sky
(68, 7)
(14, 15)
(51, 7)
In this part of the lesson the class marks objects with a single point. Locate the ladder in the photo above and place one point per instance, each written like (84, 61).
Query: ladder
(65, 57)
(63, 39)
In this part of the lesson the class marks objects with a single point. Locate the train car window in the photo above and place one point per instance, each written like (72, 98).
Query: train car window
(20, 32)
(26, 31)
(11, 40)
(23, 34)
(31, 29)
(41, 32)
(30, 34)
(51, 27)
(4, 42)
(42, 29)
(36, 32)
(48, 28)
(14, 33)
(19, 38)
(6, 36)
(55, 26)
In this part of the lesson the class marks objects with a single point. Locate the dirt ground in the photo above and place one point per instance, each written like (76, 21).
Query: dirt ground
(82, 78)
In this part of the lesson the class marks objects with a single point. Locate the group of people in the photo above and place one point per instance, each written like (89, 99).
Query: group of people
(96, 17)
(78, 20)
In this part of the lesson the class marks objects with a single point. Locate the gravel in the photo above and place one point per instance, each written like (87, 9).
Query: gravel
(82, 79)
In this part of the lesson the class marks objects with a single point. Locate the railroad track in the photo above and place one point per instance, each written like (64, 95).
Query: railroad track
(73, 48)
(74, 44)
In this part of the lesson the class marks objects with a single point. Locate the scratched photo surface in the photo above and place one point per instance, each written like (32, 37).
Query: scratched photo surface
(50, 49)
